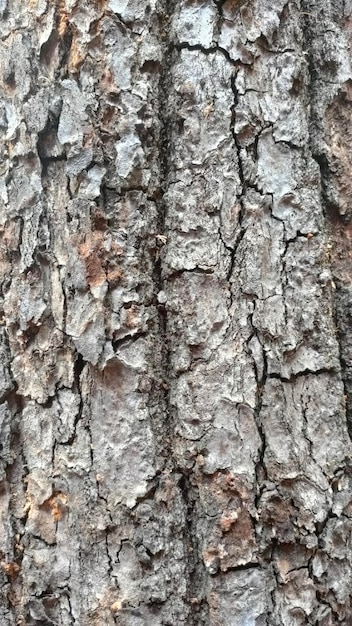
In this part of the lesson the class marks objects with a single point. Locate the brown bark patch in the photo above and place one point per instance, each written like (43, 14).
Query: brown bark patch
(62, 18)
(11, 569)
(109, 85)
(289, 558)
(76, 56)
(101, 262)
(238, 545)
(43, 519)
(99, 220)
(231, 541)
(230, 7)
(56, 506)
(227, 520)
(132, 316)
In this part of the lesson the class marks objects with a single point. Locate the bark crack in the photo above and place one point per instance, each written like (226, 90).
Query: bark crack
(161, 278)
(341, 296)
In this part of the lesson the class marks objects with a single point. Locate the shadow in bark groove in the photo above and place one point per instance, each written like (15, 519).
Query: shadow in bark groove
(324, 123)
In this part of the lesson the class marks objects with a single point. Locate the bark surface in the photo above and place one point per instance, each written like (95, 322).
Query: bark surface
(175, 329)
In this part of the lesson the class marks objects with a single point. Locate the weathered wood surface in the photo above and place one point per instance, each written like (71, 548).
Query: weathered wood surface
(176, 346)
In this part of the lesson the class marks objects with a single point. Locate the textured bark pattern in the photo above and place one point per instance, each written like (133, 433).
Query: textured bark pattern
(176, 345)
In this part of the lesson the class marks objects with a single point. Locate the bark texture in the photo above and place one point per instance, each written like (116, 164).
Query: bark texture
(176, 297)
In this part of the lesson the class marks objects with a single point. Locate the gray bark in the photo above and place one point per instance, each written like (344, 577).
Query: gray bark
(176, 345)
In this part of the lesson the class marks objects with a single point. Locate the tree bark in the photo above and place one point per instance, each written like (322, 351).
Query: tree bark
(176, 296)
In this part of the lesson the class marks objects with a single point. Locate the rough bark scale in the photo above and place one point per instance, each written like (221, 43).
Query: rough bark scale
(176, 347)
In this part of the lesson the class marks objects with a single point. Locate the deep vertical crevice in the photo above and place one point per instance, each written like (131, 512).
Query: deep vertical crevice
(197, 584)
(197, 605)
(165, 139)
(260, 466)
(336, 220)
(241, 196)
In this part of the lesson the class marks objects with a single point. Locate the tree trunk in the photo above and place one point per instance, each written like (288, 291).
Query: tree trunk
(176, 297)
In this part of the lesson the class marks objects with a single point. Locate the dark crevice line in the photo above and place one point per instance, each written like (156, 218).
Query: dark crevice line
(260, 469)
(302, 373)
(244, 183)
(78, 369)
(127, 340)
(341, 311)
(196, 569)
(166, 120)
(165, 147)
(220, 4)
(317, 79)
(184, 45)
(194, 270)
(342, 296)
(261, 374)
(261, 378)
(247, 566)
